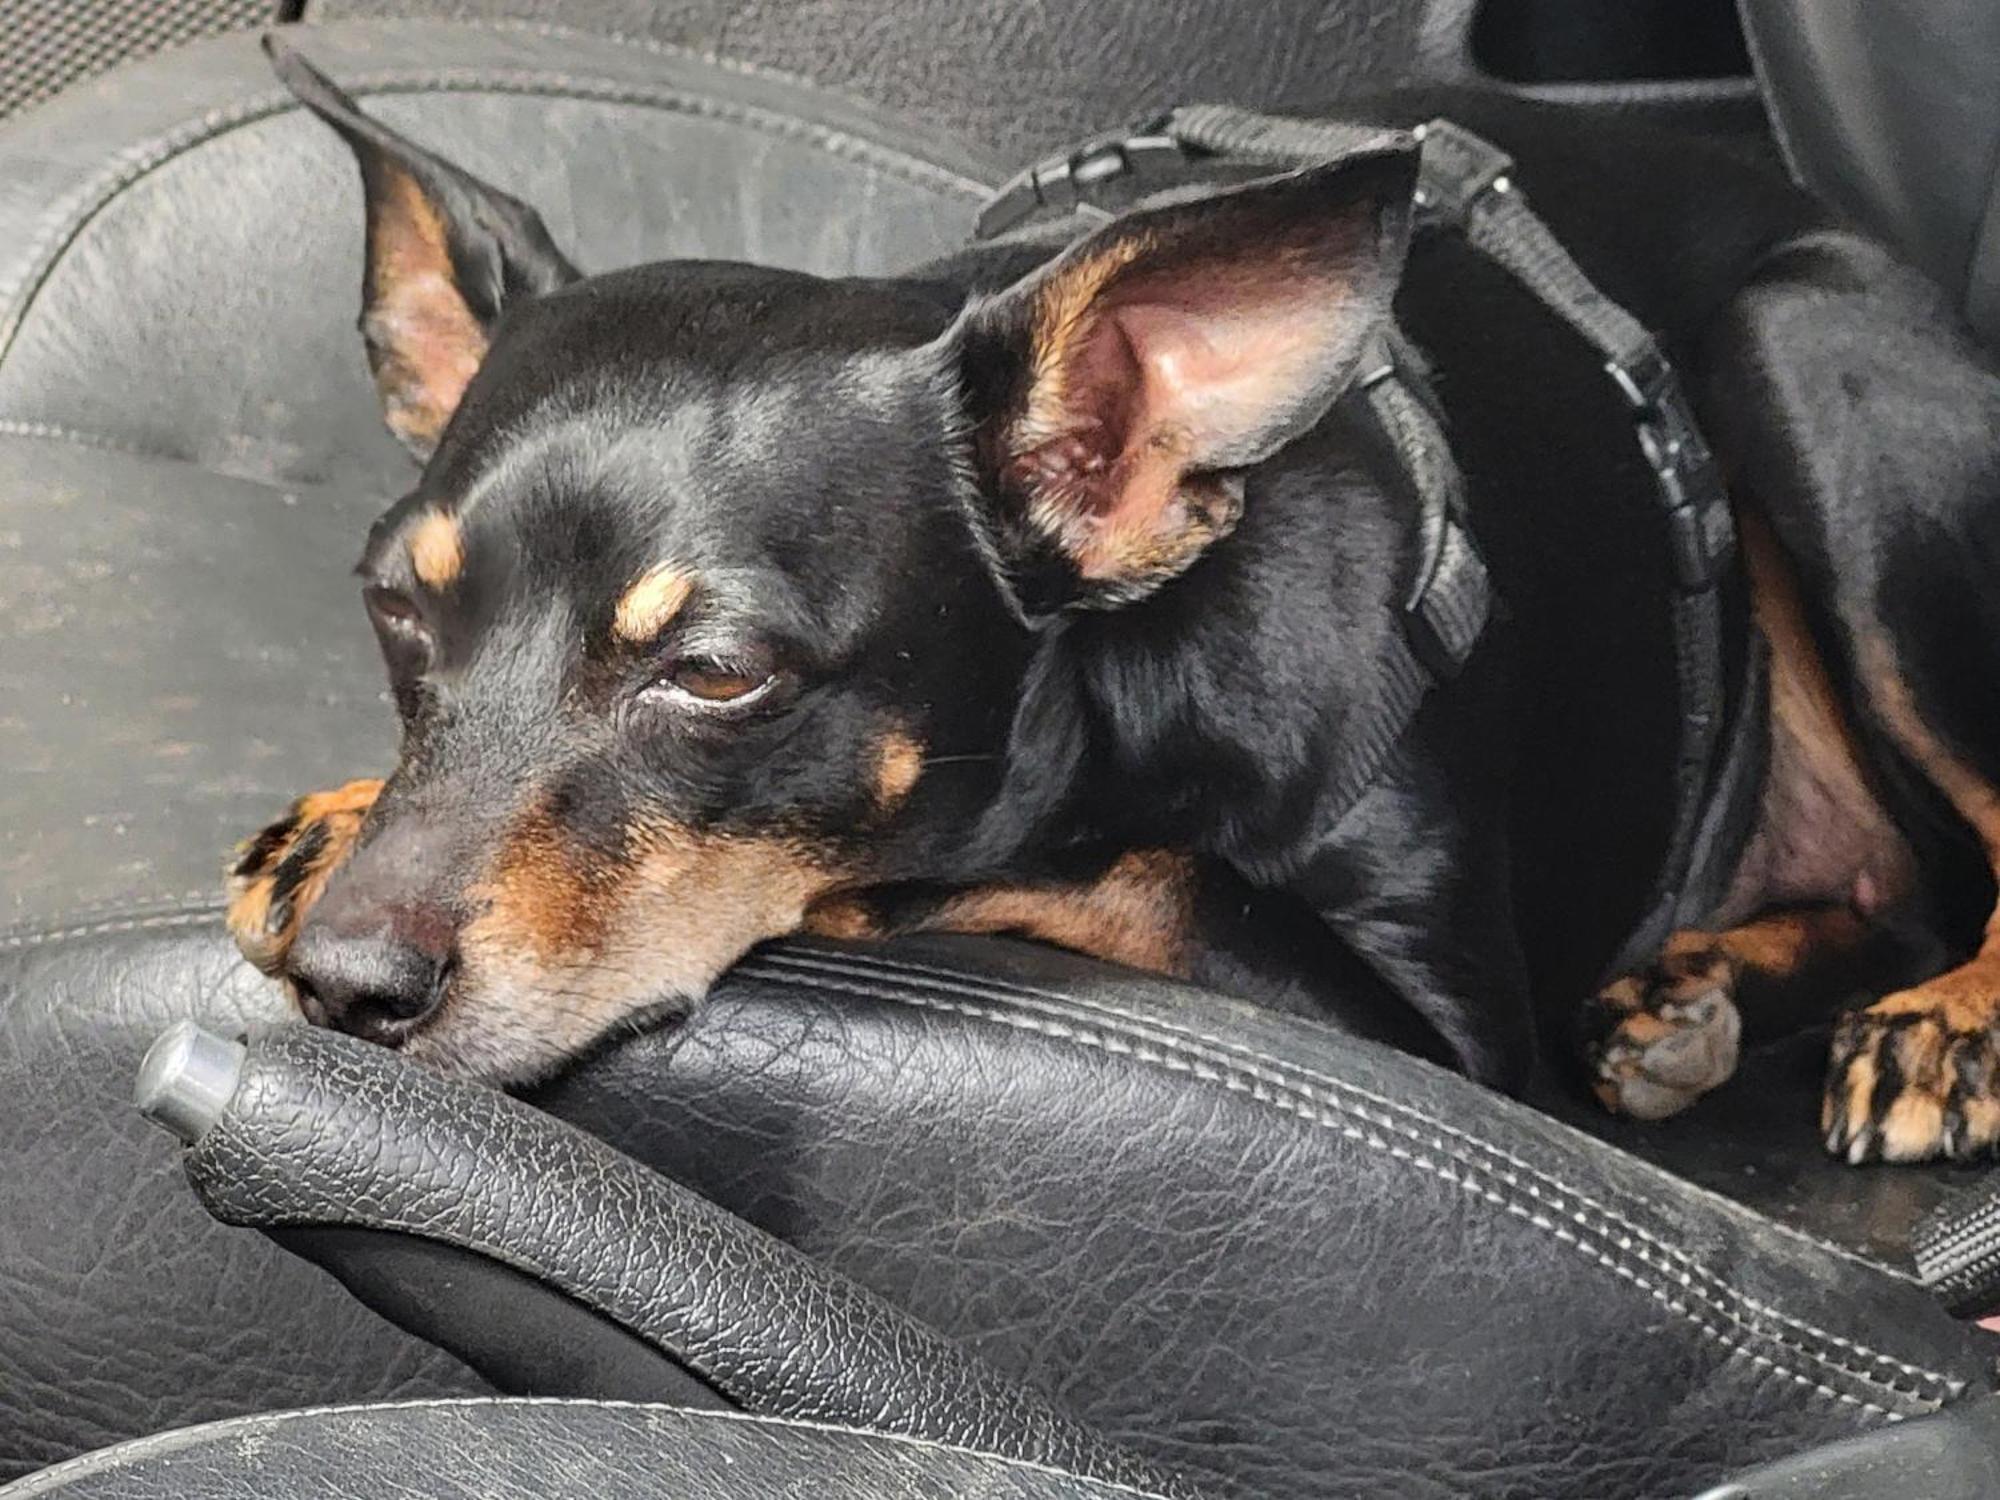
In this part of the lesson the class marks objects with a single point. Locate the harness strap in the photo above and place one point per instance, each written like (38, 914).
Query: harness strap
(1465, 185)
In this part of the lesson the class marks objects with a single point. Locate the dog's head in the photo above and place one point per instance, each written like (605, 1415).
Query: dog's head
(716, 593)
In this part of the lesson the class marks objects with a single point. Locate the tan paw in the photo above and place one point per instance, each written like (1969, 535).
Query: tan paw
(279, 873)
(1660, 1040)
(1912, 1077)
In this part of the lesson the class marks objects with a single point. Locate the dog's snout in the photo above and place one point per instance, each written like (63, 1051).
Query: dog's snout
(377, 985)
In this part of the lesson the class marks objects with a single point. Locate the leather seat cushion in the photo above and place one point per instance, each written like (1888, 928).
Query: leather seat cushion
(543, 1450)
(186, 216)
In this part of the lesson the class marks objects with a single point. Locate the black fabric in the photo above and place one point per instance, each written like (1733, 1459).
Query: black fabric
(525, 1337)
(543, 1450)
(53, 43)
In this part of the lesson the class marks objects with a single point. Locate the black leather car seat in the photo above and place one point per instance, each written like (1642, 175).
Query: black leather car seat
(1891, 111)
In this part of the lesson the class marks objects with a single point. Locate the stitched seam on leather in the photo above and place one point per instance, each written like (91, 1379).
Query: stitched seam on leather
(73, 215)
(956, 982)
(14, 941)
(1681, 1265)
(1304, 1105)
(160, 1441)
(49, 431)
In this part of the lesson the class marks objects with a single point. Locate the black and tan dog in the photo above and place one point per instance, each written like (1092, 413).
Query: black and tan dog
(1028, 593)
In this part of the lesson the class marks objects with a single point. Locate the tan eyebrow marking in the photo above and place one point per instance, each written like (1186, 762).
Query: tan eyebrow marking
(651, 602)
(899, 761)
(437, 550)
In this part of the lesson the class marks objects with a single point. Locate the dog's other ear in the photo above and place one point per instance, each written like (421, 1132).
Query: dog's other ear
(445, 253)
(1116, 390)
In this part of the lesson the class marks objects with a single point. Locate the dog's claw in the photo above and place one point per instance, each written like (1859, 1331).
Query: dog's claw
(1667, 1040)
(1904, 1085)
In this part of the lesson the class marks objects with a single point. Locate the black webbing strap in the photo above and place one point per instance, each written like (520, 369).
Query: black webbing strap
(1465, 185)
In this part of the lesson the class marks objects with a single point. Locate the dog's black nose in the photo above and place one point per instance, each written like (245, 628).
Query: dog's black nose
(372, 986)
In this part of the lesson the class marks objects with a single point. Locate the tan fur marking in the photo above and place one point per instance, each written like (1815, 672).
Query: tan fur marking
(1673, 1030)
(567, 943)
(1140, 913)
(1911, 1127)
(844, 917)
(1066, 311)
(650, 604)
(424, 343)
(342, 811)
(437, 550)
(899, 763)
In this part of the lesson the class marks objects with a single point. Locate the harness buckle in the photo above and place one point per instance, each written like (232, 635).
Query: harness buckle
(1700, 527)
(1071, 179)
(1455, 169)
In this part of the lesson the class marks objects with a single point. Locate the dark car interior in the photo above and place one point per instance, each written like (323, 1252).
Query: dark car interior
(943, 1216)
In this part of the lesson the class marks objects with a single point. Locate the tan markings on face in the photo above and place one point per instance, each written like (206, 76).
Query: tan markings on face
(566, 944)
(899, 763)
(279, 873)
(1140, 912)
(424, 343)
(437, 550)
(651, 603)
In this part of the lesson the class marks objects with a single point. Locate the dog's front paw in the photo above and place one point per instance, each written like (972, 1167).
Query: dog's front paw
(1661, 1039)
(278, 874)
(1912, 1077)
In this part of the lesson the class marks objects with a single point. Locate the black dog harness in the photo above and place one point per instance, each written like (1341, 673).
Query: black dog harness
(1465, 187)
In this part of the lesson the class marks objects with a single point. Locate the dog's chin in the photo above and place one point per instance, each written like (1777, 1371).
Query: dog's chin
(504, 1048)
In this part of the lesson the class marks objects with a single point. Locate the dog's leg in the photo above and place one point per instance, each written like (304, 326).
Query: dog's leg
(1139, 911)
(278, 874)
(1658, 1039)
(1917, 1074)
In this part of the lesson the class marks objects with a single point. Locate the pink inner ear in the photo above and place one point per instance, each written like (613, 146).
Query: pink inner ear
(1157, 361)
(1223, 350)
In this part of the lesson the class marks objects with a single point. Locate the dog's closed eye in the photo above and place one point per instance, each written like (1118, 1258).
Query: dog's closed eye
(717, 684)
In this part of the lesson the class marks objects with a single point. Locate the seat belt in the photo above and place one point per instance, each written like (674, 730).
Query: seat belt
(1465, 186)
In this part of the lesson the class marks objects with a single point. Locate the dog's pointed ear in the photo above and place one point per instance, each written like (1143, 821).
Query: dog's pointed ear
(1117, 392)
(445, 254)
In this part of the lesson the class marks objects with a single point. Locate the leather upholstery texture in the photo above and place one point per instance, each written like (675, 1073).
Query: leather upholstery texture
(1022, 76)
(1279, 1260)
(126, 248)
(1890, 111)
(325, 1130)
(124, 1309)
(544, 1450)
